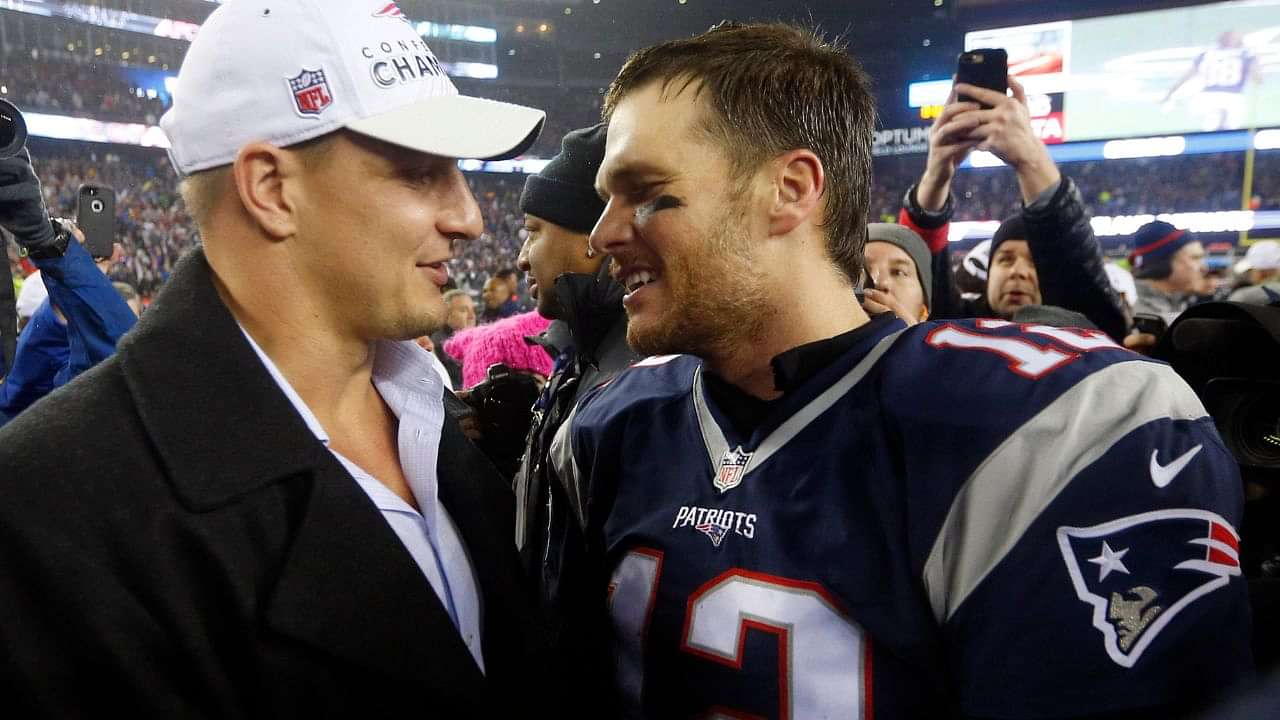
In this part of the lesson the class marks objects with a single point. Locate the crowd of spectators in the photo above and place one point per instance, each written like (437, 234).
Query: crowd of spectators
(1110, 187)
(155, 231)
(71, 86)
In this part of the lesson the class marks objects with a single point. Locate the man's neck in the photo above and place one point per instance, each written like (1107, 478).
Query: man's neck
(330, 370)
(799, 316)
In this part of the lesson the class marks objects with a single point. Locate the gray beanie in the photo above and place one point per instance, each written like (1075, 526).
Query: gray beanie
(913, 245)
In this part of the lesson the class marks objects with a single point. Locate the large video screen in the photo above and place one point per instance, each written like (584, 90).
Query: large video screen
(1197, 69)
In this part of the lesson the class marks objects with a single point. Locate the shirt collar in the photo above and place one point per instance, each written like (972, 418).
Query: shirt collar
(400, 368)
(308, 417)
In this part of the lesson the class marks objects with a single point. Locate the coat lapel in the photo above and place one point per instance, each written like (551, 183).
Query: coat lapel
(348, 587)
(482, 505)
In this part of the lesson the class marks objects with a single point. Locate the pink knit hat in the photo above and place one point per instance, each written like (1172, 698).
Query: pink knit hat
(500, 342)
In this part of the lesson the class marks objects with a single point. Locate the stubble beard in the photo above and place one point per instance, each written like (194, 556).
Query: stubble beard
(717, 305)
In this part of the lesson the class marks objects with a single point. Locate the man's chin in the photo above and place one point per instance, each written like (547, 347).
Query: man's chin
(649, 338)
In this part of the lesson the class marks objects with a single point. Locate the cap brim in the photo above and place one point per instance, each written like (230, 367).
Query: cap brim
(1242, 267)
(458, 126)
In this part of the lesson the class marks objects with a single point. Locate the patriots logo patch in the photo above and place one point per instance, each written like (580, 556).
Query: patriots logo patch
(393, 11)
(713, 531)
(1139, 572)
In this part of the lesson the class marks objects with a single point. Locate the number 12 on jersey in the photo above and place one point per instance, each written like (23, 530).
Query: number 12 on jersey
(824, 659)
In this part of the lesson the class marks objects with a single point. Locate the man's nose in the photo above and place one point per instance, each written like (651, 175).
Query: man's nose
(614, 229)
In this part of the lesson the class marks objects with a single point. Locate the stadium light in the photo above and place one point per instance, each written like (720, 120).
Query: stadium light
(62, 127)
(928, 92)
(1144, 147)
(1225, 221)
(984, 159)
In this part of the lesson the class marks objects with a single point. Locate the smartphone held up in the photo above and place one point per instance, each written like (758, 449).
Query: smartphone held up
(985, 68)
(96, 217)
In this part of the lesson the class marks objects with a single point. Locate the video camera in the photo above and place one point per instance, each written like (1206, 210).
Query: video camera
(13, 137)
(13, 130)
(503, 402)
(1230, 355)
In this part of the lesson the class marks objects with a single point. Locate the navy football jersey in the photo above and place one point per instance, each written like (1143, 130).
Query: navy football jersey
(971, 517)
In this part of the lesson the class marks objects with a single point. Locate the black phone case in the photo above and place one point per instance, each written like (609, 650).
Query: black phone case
(96, 216)
(992, 72)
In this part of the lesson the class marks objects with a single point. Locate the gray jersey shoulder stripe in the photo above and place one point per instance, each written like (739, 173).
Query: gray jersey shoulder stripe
(1013, 486)
(714, 438)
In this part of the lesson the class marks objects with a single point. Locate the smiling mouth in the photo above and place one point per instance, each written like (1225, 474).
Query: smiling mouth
(635, 280)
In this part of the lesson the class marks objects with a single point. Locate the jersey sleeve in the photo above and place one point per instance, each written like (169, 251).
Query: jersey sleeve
(1090, 562)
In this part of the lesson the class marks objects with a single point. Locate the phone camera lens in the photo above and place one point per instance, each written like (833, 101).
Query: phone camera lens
(96, 206)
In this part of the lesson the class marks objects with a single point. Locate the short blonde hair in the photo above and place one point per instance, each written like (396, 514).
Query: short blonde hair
(200, 192)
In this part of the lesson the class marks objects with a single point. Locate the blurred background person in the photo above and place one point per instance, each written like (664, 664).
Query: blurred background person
(1261, 270)
(899, 264)
(461, 315)
(1050, 254)
(1168, 265)
(499, 301)
(82, 317)
(511, 276)
(572, 286)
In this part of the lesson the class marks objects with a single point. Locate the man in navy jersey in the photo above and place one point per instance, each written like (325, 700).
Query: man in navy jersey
(807, 513)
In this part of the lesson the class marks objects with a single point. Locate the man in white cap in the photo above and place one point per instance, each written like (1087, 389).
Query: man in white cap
(258, 506)
(1261, 266)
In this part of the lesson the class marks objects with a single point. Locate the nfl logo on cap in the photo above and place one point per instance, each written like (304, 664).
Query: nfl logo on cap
(311, 95)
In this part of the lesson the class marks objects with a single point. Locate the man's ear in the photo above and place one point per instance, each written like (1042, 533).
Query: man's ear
(799, 181)
(259, 173)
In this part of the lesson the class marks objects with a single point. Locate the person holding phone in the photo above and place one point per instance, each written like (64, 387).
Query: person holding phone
(1051, 236)
(80, 322)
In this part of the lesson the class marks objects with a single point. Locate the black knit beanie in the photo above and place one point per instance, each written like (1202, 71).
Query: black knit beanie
(564, 192)
(1012, 228)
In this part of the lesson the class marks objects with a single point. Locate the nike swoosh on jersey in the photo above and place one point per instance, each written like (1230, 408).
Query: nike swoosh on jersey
(1162, 475)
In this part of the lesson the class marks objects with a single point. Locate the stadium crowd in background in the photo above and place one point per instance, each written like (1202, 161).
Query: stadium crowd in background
(760, 308)
(74, 87)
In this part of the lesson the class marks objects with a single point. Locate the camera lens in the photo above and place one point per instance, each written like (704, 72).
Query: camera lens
(96, 206)
(1257, 430)
(13, 130)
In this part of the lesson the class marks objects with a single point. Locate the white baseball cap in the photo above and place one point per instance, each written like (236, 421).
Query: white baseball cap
(1262, 255)
(32, 294)
(286, 71)
(1122, 281)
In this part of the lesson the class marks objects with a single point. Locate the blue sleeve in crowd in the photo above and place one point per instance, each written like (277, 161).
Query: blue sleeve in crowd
(96, 315)
(41, 353)
(50, 355)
